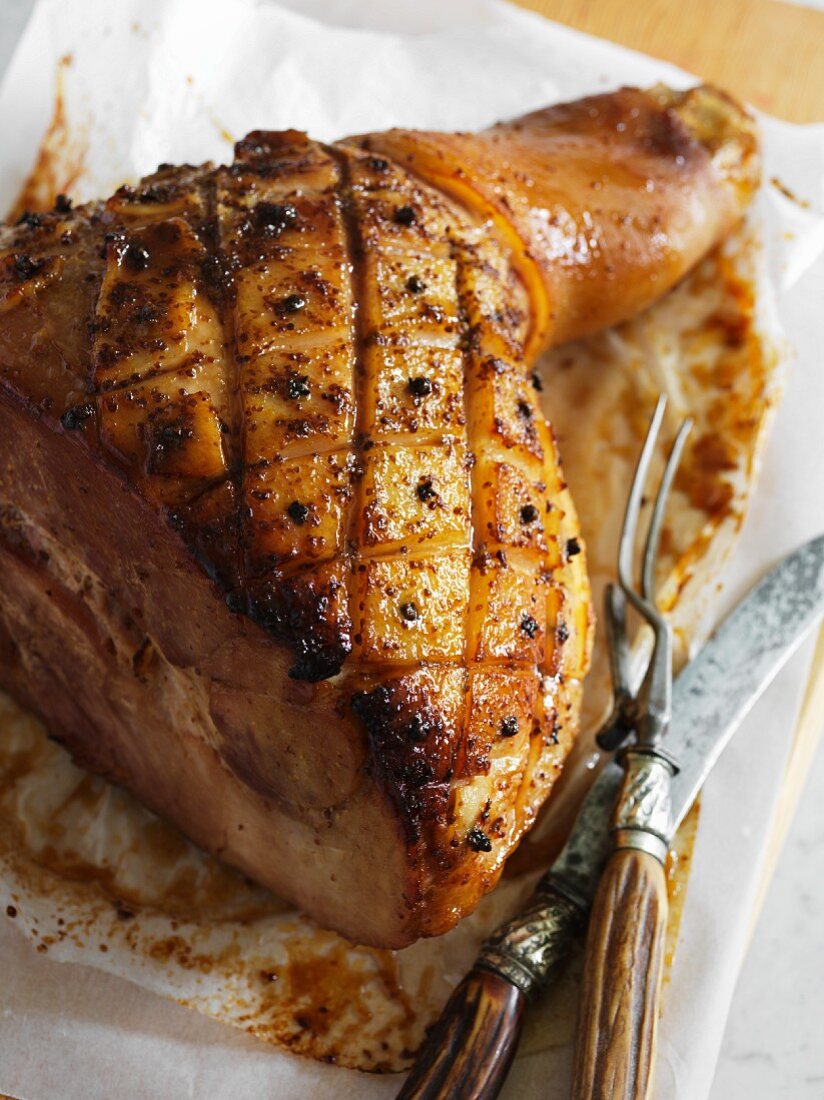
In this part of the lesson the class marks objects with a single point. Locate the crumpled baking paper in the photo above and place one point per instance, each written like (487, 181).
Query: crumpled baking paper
(176, 81)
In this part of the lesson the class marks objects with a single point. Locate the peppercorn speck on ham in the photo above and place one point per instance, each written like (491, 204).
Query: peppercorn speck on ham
(275, 425)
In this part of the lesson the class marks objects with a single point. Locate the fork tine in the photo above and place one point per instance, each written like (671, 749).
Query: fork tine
(645, 708)
(616, 627)
(616, 728)
(656, 522)
(630, 525)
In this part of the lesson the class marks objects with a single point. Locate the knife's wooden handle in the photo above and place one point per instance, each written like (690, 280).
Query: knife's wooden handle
(618, 1020)
(470, 1049)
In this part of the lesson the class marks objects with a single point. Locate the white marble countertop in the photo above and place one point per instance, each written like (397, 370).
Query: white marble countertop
(773, 1047)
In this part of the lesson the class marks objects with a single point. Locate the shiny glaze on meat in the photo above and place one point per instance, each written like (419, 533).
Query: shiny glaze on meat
(302, 383)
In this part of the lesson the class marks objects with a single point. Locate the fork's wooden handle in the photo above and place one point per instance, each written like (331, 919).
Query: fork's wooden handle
(618, 1022)
(471, 1047)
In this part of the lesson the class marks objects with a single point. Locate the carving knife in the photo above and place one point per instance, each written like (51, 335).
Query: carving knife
(470, 1048)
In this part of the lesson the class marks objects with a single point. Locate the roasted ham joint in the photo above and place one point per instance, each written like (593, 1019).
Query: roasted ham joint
(285, 545)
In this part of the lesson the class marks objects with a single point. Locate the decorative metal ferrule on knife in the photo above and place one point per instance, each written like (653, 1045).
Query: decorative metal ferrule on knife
(529, 949)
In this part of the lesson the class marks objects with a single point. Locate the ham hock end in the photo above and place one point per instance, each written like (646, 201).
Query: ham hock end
(285, 545)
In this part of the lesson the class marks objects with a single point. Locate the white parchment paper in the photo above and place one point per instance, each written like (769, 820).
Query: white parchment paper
(176, 80)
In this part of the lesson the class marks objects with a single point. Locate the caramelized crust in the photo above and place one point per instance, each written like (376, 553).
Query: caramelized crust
(310, 371)
(604, 203)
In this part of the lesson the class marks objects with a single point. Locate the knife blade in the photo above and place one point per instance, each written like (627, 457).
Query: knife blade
(710, 699)
(470, 1048)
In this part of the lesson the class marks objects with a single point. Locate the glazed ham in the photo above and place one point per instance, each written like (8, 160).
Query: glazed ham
(285, 546)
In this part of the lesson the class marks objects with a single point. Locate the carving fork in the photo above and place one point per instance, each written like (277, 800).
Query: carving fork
(618, 1020)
